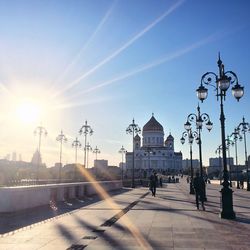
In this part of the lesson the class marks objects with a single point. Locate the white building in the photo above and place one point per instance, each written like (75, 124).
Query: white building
(152, 153)
(101, 164)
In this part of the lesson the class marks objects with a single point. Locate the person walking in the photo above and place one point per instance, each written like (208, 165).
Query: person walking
(153, 183)
(199, 187)
(160, 180)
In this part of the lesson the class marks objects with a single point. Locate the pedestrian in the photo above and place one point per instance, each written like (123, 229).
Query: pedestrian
(153, 183)
(241, 184)
(199, 187)
(160, 180)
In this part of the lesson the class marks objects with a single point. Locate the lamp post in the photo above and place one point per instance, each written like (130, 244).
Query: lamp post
(219, 151)
(149, 151)
(244, 127)
(76, 144)
(190, 135)
(222, 82)
(96, 151)
(199, 119)
(85, 129)
(229, 143)
(61, 138)
(87, 149)
(132, 129)
(122, 151)
(236, 136)
(40, 131)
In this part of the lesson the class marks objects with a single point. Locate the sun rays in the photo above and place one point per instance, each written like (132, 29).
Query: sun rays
(85, 46)
(150, 65)
(122, 48)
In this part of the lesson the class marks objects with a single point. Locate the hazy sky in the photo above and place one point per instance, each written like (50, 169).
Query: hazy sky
(64, 62)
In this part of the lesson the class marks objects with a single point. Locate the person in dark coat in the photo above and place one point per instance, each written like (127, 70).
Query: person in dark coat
(153, 183)
(160, 180)
(199, 187)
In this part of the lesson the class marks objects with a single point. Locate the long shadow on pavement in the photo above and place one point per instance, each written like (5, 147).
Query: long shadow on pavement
(13, 221)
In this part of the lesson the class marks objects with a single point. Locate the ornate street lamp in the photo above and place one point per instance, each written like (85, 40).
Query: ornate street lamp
(222, 83)
(85, 129)
(61, 138)
(87, 149)
(219, 151)
(76, 144)
(199, 119)
(229, 142)
(96, 151)
(122, 151)
(40, 131)
(236, 136)
(149, 151)
(245, 127)
(132, 129)
(190, 136)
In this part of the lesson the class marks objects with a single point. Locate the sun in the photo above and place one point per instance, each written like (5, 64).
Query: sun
(28, 112)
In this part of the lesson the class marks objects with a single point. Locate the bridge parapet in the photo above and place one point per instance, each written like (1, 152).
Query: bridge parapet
(13, 199)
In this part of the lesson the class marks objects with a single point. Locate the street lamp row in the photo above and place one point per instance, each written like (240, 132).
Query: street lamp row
(243, 128)
(221, 83)
(85, 130)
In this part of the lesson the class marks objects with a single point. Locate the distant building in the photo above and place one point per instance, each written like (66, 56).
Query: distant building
(186, 164)
(101, 164)
(216, 165)
(14, 156)
(36, 159)
(153, 154)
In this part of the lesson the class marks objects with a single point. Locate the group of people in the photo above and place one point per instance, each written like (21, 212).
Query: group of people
(198, 185)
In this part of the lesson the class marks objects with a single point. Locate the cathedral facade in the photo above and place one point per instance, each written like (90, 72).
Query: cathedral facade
(152, 153)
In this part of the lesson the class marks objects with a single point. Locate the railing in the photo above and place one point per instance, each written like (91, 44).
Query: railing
(234, 183)
(24, 197)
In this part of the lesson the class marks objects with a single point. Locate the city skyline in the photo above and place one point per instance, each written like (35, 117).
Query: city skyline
(108, 62)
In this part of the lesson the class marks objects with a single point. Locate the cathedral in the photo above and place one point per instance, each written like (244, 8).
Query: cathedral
(152, 153)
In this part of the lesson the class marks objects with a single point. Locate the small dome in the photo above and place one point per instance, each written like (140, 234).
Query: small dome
(152, 125)
(137, 137)
(170, 137)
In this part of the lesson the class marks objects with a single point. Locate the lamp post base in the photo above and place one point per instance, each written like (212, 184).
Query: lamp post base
(227, 204)
(248, 186)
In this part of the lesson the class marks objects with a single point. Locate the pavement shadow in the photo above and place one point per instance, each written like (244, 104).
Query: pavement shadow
(243, 220)
(65, 232)
(99, 232)
(13, 221)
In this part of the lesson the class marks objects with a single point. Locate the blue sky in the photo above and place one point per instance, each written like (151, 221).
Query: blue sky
(112, 61)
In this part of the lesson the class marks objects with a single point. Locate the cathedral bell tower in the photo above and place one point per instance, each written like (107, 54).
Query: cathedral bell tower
(169, 143)
(137, 140)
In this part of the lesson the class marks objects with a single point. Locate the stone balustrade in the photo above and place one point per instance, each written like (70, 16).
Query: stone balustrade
(13, 199)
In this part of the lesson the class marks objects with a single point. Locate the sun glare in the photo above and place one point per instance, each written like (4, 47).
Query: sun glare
(28, 112)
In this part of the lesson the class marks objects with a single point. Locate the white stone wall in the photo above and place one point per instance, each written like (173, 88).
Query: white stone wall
(18, 198)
